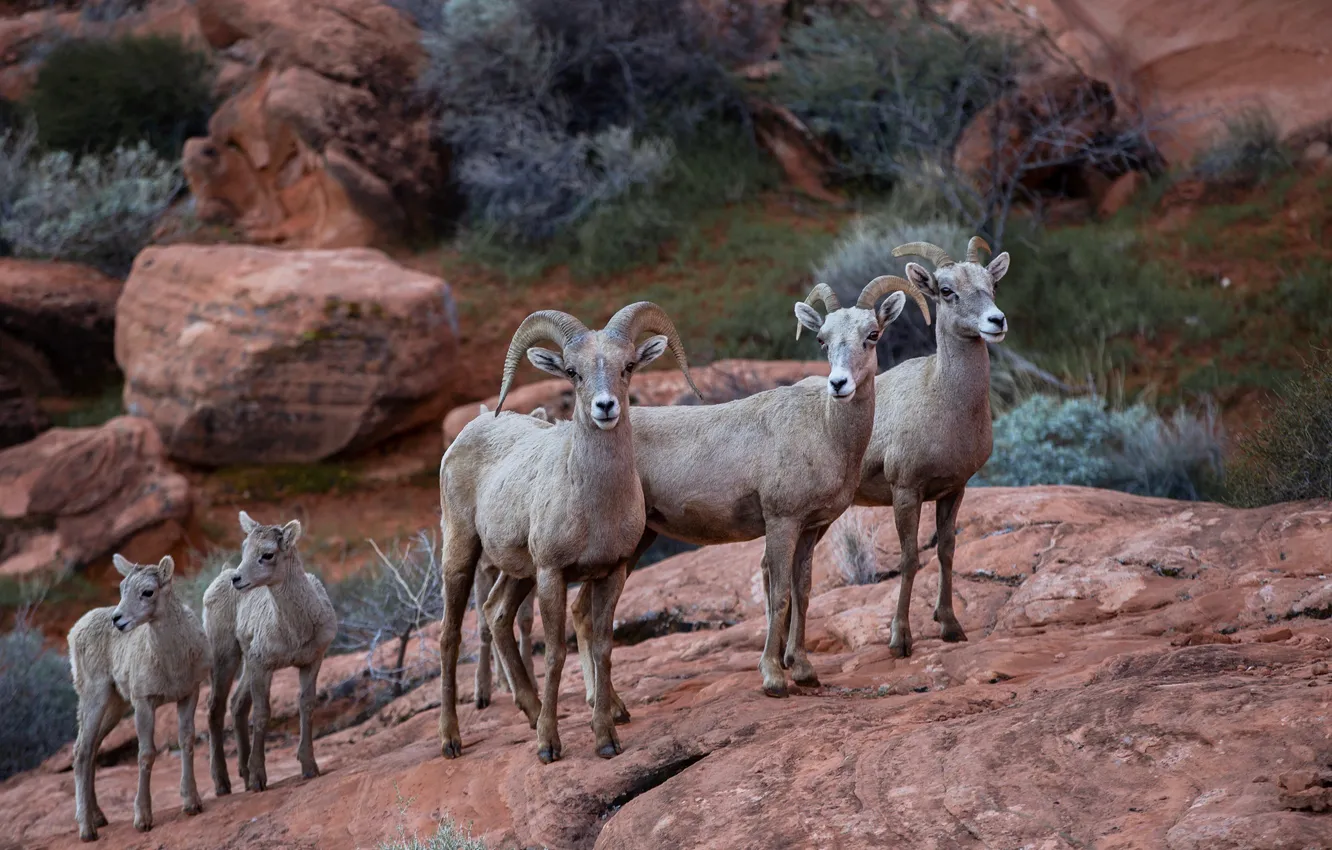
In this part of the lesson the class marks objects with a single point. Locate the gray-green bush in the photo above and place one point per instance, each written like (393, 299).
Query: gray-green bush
(98, 210)
(1247, 151)
(1083, 441)
(38, 698)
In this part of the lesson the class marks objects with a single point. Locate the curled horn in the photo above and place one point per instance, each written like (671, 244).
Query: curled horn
(884, 284)
(821, 292)
(641, 317)
(933, 253)
(973, 249)
(554, 325)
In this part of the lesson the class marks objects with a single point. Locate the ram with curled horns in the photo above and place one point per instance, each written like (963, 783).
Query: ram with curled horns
(549, 505)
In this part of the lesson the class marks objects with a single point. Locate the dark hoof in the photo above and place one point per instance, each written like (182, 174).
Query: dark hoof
(953, 635)
(312, 773)
(778, 692)
(256, 785)
(810, 681)
(898, 651)
(609, 751)
(548, 754)
(222, 790)
(88, 834)
(482, 702)
(192, 809)
(143, 826)
(452, 749)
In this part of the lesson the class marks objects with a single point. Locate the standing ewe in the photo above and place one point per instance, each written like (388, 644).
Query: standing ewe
(549, 504)
(932, 426)
(114, 663)
(266, 614)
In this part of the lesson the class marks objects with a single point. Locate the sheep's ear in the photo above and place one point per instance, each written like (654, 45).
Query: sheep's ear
(922, 278)
(247, 525)
(484, 410)
(547, 361)
(166, 567)
(808, 317)
(891, 308)
(291, 532)
(540, 413)
(650, 350)
(123, 566)
(998, 267)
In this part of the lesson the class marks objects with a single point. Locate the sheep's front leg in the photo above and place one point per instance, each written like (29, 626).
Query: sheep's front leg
(240, 720)
(260, 682)
(552, 594)
(93, 709)
(605, 596)
(309, 675)
(945, 513)
(796, 658)
(906, 514)
(224, 673)
(189, 792)
(499, 611)
(485, 582)
(461, 551)
(779, 550)
(144, 721)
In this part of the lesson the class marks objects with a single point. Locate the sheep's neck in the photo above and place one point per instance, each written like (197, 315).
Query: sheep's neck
(170, 611)
(600, 462)
(963, 369)
(293, 594)
(849, 423)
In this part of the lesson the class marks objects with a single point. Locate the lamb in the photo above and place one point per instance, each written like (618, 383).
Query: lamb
(115, 663)
(781, 464)
(932, 428)
(266, 614)
(548, 505)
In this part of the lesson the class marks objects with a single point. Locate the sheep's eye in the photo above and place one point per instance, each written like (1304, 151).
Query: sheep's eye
(823, 343)
(573, 374)
(267, 556)
(874, 336)
(946, 292)
(628, 370)
(147, 594)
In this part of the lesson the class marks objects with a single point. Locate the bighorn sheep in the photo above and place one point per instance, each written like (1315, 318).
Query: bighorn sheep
(932, 423)
(266, 614)
(115, 662)
(781, 464)
(549, 504)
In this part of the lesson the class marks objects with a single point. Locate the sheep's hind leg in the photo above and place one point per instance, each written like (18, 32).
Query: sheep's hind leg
(605, 595)
(240, 722)
(526, 617)
(945, 512)
(93, 710)
(906, 513)
(189, 792)
(796, 658)
(309, 675)
(462, 549)
(224, 673)
(144, 722)
(499, 611)
(782, 537)
(552, 593)
(485, 581)
(111, 717)
(260, 682)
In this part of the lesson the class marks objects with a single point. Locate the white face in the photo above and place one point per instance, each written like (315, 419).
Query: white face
(263, 552)
(965, 293)
(848, 337)
(600, 366)
(141, 590)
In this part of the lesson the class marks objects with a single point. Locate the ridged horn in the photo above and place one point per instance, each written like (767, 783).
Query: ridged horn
(929, 251)
(553, 325)
(634, 320)
(884, 284)
(973, 249)
(821, 292)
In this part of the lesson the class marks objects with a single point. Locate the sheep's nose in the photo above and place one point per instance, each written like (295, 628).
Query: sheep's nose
(997, 319)
(837, 383)
(606, 406)
(236, 580)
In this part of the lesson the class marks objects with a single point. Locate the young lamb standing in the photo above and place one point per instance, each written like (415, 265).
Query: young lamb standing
(264, 615)
(548, 505)
(116, 663)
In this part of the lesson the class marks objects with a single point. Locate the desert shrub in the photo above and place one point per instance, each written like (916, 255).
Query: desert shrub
(448, 836)
(191, 588)
(96, 95)
(882, 92)
(1247, 151)
(38, 698)
(1289, 458)
(865, 250)
(854, 549)
(1084, 442)
(98, 210)
(382, 609)
(1071, 288)
(16, 145)
(110, 11)
(566, 116)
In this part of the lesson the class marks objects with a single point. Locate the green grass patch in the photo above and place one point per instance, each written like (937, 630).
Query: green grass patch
(270, 483)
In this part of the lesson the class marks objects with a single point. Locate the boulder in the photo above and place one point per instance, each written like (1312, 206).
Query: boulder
(323, 144)
(251, 355)
(76, 494)
(20, 418)
(57, 326)
(724, 380)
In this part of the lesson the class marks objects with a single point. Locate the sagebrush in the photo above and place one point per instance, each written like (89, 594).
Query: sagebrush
(39, 702)
(854, 548)
(98, 210)
(1245, 152)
